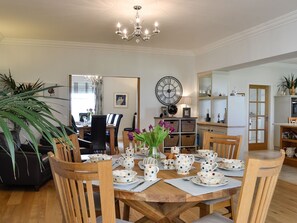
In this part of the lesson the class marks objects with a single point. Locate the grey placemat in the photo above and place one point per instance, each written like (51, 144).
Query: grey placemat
(195, 190)
(138, 186)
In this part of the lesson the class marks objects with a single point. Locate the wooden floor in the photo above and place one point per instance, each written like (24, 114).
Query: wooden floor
(19, 205)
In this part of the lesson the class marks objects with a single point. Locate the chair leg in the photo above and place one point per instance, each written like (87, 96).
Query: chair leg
(126, 213)
(117, 209)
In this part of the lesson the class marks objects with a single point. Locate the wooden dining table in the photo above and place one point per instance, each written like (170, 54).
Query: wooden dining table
(163, 202)
(111, 128)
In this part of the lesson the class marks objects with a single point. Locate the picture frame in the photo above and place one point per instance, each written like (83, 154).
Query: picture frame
(186, 112)
(120, 100)
(164, 111)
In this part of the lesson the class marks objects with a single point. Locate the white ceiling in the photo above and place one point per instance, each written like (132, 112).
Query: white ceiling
(184, 24)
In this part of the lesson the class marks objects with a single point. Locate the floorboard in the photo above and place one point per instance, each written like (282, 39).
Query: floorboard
(24, 205)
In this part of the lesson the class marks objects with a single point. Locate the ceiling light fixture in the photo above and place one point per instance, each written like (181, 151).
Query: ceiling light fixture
(138, 33)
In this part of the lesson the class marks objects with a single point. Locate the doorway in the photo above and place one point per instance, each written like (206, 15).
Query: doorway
(258, 117)
(82, 97)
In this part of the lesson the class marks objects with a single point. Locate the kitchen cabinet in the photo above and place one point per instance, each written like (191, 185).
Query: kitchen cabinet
(288, 138)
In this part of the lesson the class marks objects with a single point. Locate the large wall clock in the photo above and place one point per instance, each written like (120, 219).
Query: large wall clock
(169, 90)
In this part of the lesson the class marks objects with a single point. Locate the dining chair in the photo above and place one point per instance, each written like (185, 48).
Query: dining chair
(227, 147)
(66, 151)
(74, 185)
(116, 123)
(98, 132)
(71, 153)
(110, 118)
(259, 181)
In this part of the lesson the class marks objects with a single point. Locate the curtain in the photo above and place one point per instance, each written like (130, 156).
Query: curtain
(98, 83)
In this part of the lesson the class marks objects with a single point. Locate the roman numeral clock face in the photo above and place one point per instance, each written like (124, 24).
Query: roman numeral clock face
(169, 90)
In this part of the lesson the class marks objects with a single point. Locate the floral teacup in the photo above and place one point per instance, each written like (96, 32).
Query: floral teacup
(208, 166)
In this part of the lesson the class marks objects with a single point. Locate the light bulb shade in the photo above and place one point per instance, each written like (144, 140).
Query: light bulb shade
(187, 100)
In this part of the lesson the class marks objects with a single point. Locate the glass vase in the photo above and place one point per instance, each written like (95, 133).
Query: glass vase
(154, 152)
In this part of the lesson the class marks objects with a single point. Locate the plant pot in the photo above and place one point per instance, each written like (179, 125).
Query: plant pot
(292, 91)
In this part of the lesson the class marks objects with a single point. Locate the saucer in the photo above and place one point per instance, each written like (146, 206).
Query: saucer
(135, 180)
(221, 166)
(197, 181)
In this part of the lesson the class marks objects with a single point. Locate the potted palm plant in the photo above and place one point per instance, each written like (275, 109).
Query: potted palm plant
(288, 83)
(21, 108)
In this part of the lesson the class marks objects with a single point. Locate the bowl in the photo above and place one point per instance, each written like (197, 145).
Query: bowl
(204, 152)
(98, 157)
(211, 178)
(233, 164)
(123, 176)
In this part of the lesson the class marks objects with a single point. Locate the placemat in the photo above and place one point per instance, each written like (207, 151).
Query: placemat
(195, 190)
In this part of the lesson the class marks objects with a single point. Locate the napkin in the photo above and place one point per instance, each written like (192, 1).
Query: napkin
(140, 186)
(195, 190)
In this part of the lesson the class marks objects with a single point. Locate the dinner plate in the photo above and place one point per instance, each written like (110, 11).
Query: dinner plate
(197, 181)
(135, 180)
(221, 166)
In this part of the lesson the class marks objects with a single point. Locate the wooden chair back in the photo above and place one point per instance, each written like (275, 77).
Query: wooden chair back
(259, 181)
(292, 120)
(225, 145)
(74, 180)
(67, 152)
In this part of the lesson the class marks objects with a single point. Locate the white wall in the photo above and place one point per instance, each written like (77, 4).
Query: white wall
(271, 39)
(52, 63)
(120, 85)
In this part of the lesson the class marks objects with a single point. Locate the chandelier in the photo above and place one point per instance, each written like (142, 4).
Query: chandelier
(138, 33)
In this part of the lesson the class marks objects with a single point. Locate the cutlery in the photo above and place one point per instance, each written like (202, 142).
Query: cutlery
(137, 185)
(187, 178)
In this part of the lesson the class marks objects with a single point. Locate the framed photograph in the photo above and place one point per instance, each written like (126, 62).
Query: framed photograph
(164, 111)
(186, 112)
(120, 100)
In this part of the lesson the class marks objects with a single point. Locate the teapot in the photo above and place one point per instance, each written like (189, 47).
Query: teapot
(183, 163)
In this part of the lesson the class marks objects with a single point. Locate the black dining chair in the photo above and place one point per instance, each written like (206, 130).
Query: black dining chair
(110, 118)
(98, 133)
(116, 123)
